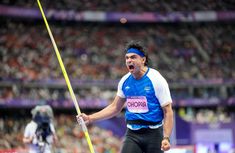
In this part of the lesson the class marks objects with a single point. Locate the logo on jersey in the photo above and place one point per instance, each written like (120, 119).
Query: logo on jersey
(147, 89)
(127, 88)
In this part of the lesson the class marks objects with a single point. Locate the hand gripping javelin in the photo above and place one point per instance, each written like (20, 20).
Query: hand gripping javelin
(84, 128)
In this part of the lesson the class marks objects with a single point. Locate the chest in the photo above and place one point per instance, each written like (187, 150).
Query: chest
(143, 87)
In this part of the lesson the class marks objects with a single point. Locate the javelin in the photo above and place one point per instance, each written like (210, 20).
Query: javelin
(84, 128)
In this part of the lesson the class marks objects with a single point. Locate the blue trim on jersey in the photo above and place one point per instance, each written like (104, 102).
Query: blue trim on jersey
(143, 87)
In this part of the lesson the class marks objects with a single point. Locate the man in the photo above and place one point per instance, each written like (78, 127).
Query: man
(149, 114)
(39, 133)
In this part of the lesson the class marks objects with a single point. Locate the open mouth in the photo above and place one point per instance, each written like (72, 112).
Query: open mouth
(131, 67)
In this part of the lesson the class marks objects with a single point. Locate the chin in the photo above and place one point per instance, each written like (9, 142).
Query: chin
(131, 70)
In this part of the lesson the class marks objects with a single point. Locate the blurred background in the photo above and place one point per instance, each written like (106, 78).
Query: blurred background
(192, 43)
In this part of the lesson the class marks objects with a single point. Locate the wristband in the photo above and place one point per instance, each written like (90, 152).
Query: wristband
(167, 138)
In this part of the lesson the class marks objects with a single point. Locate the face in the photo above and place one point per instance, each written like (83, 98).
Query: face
(134, 63)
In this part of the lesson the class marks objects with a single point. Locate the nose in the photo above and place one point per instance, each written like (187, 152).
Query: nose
(128, 60)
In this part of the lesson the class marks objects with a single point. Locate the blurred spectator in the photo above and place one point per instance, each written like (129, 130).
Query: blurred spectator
(39, 133)
(70, 136)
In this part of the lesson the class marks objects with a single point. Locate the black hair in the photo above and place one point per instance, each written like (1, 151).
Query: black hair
(138, 45)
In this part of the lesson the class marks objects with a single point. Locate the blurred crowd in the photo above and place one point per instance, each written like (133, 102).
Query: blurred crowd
(96, 51)
(211, 115)
(128, 6)
(71, 139)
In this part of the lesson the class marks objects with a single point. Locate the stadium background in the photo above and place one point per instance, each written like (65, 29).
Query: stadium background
(191, 43)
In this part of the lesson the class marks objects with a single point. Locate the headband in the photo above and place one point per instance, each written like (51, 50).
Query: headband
(136, 51)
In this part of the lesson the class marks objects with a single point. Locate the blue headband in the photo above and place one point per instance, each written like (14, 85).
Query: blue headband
(136, 51)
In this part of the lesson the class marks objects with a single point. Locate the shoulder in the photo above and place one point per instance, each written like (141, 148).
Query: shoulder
(126, 76)
(32, 124)
(153, 73)
(31, 127)
(156, 78)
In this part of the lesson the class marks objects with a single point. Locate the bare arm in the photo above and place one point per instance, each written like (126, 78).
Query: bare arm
(108, 112)
(167, 126)
(168, 120)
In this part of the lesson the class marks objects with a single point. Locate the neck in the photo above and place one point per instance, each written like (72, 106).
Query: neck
(141, 72)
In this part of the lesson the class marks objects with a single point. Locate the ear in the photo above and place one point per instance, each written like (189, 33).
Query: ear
(143, 59)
